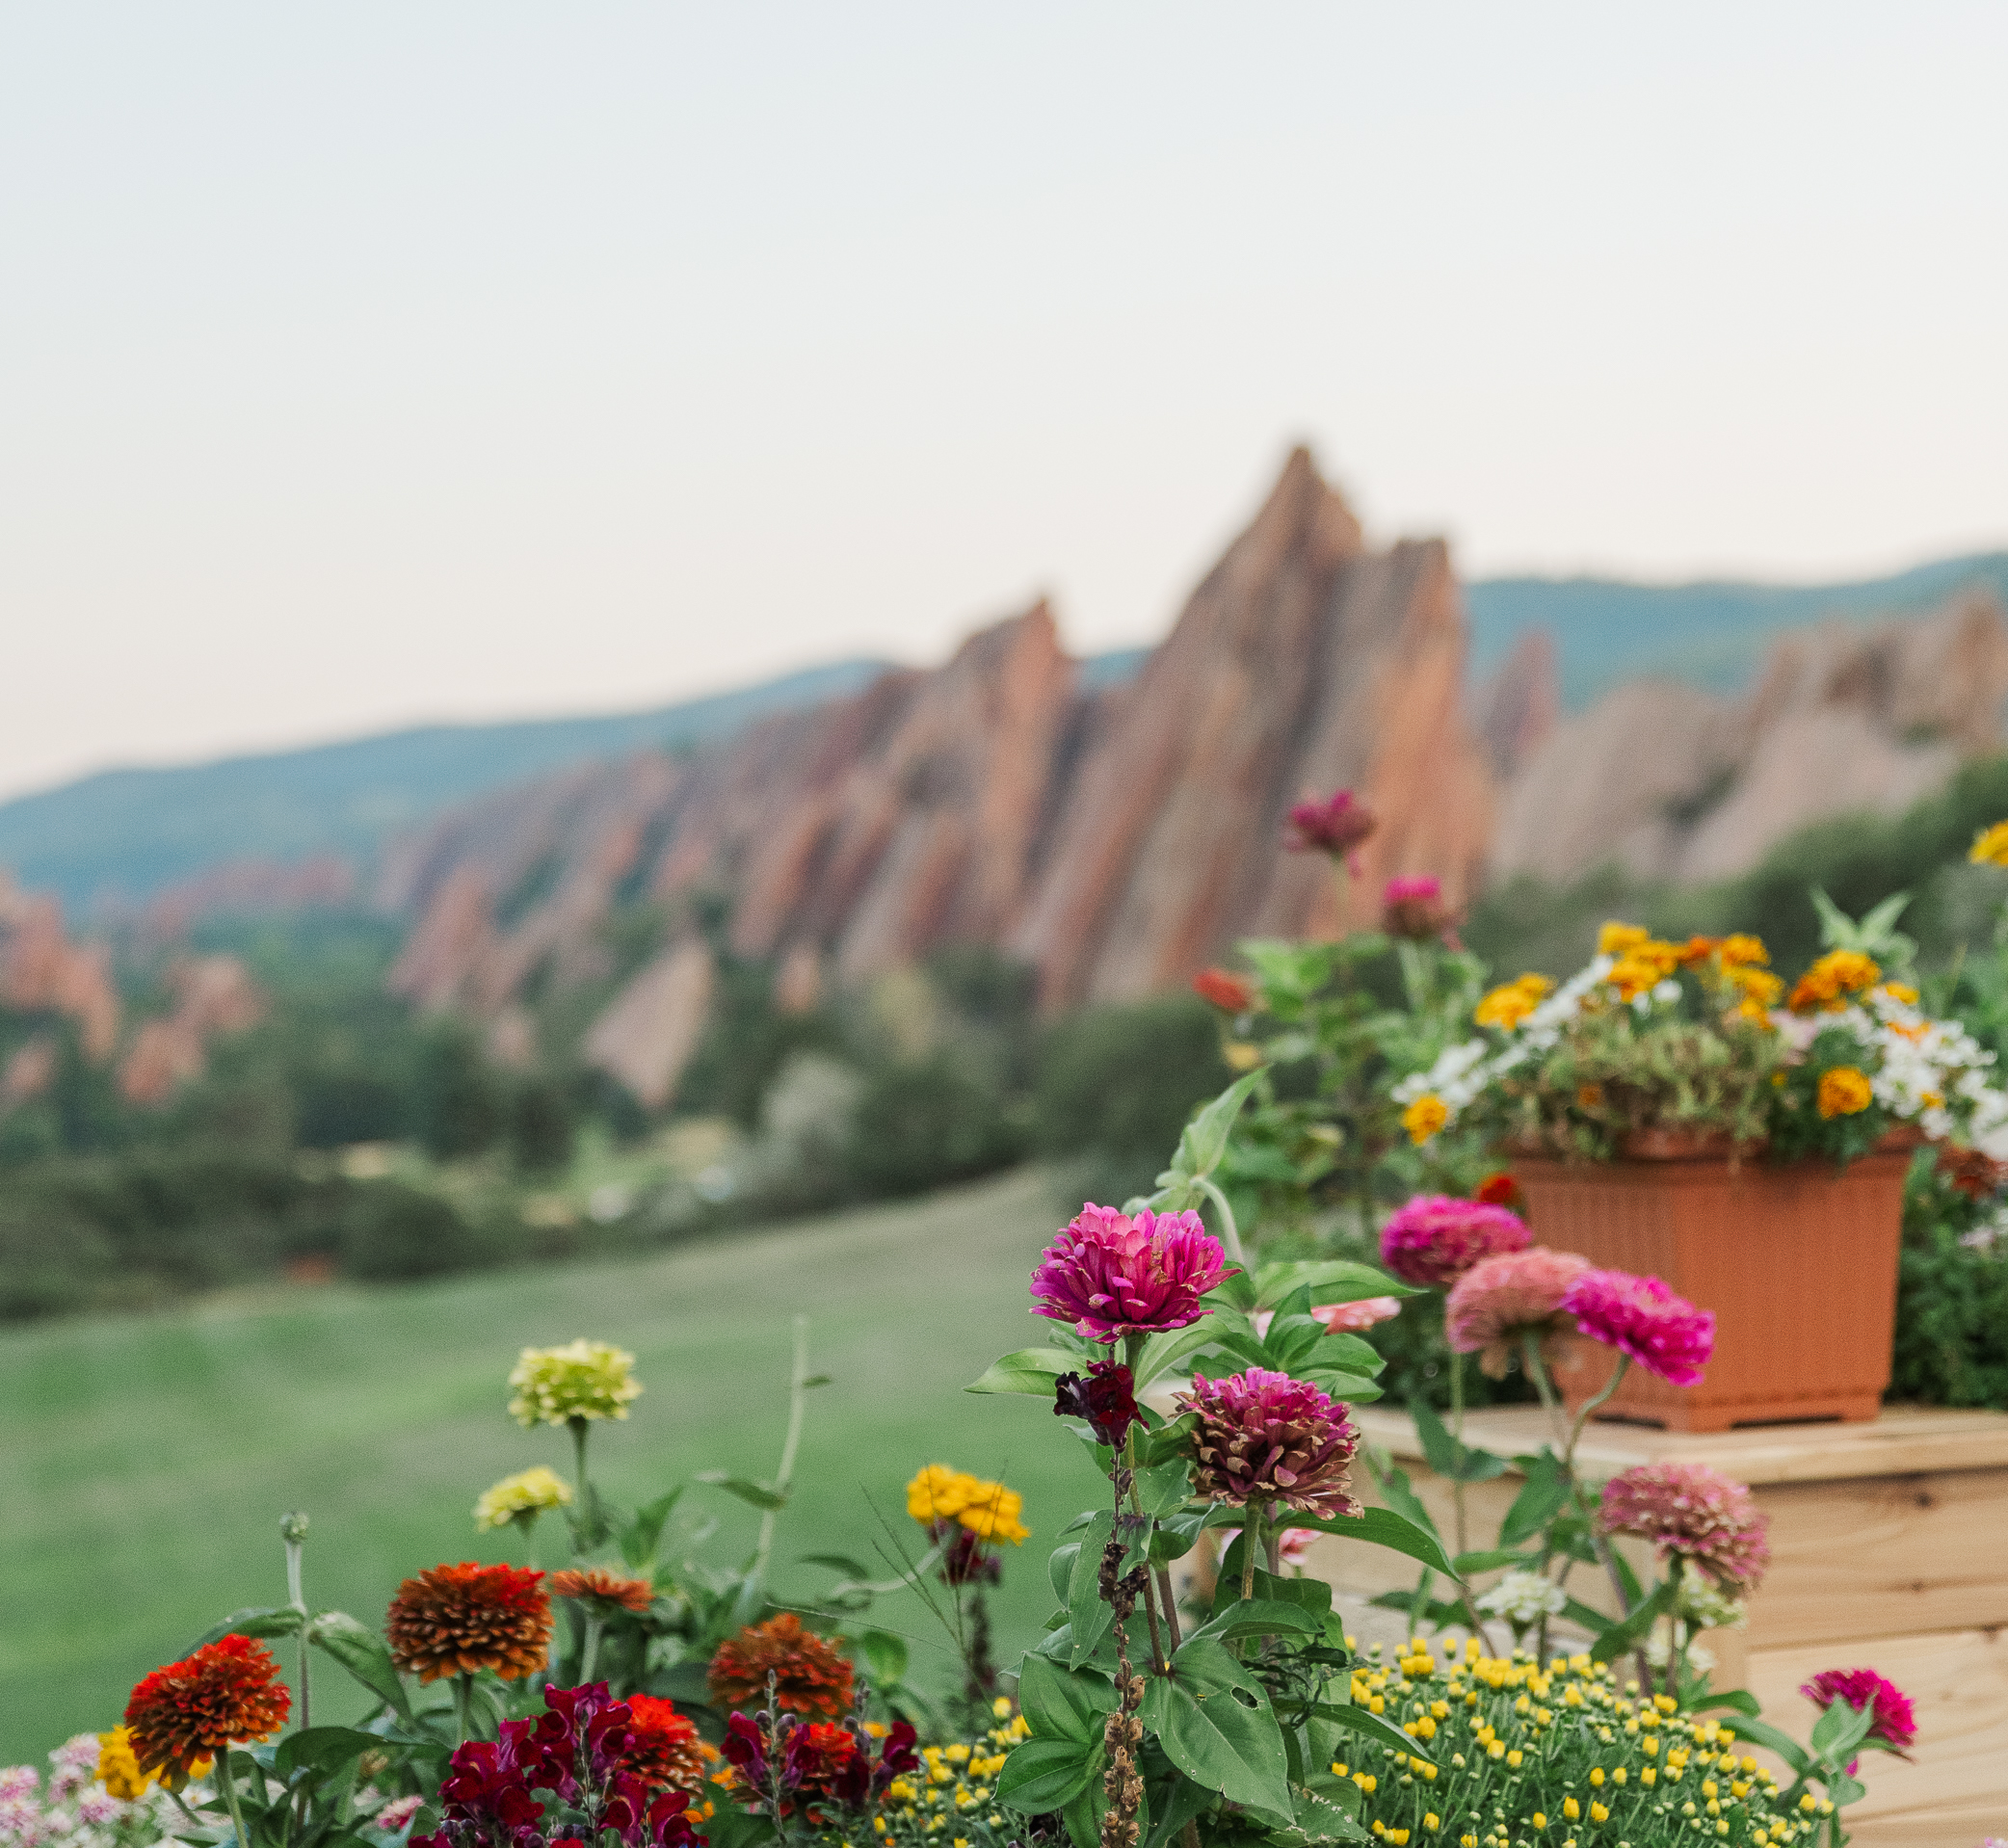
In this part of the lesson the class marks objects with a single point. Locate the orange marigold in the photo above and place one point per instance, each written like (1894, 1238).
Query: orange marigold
(226, 1691)
(459, 1620)
(1838, 973)
(1844, 1091)
(810, 1676)
(663, 1748)
(596, 1585)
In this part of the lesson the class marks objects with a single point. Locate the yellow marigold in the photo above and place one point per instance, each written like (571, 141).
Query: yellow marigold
(582, 1380)
(529, 1492)
(1642, 967)
(1990, 846)
(993, 1513)
(987, 1509)
(1509, 1004)
(1902, 992)
(1423, 1117)
(1755, 985)
(1740, 950)
(1836, 974)
(119, 1766)
(1615, 939)
(1242, 1055)
(1843, 1092)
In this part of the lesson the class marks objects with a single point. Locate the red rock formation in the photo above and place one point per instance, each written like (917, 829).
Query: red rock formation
(213, 996)
(247, 888)
(43, 971)
(1516, 710)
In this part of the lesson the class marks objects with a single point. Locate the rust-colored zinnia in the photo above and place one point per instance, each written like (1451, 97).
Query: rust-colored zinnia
(604, 1587)
(225, 1692)
(663, 1748)
(810, 1676)
(459, 1620)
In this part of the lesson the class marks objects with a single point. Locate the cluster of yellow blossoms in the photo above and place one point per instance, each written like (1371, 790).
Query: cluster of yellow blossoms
(1840, 974)
(1735, 962)
(950, 1802)
(987, 1509)
(1513, 1755)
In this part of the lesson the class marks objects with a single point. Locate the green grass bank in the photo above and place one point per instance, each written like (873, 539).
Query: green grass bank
(148, 1459)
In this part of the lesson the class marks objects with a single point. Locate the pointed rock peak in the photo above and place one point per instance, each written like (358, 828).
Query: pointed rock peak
(1304, 501)
(1033, 630)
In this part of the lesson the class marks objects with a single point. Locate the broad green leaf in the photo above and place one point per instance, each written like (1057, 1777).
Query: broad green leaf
(1169, 1440)
(886, 1656)
(1163, 1353)
(1030, 1370)
(1059, 1568)
(1540, 1500)
(1330, 1280)
(1236, 1290)
(1084, 1813)
(1062, 1704)
(1319, 1820)
(1756, 1733)
(1383, 1527)
(759, 1494)
(1234, 1748)
(642, 1535)
(1445, 1455)
(1257, 1617)
(1087, 1615)
(360, 1651)
(1469, 1563)
(1375, 1726)
(1165, 1488)
(1840, 1729)
(323, 1747)
(1351, 1389)
(1204, 1665)
(1044, 1774)
(1736, 1699)
(1205, 1137)
(280, 1620)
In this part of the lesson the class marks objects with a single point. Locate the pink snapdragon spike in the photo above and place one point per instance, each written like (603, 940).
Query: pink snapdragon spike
(1665, 1334)
(1500, 1299)
(1895, 1721)
(1434, 1239)
(1335, 826)
(1689, 1511)
(1264, 1437)
(1111, 1275)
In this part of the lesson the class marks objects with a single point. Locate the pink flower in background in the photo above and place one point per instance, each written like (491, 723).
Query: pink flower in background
(1691, 1511)
(1293, 1546)
(1265, 1436)
(1341, 1318)
(1897, 1720)
(1500, 1299)
(1665, 1334)
(1414, 907)
(1110, 1274)
(1335, 826)
(1433, 1240)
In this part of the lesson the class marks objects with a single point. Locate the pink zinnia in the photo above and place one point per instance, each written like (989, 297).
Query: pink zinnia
(1335, 826)
(1414, 907)
(1264, 1437)
(1500, 1299)
(1691, 1511)
(1434, 1239)
(1897, 1720)
(1110, 1274)
(1665, 1334)
(1341, 1318)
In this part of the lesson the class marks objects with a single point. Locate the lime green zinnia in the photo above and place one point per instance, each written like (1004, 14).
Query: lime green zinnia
(583, 1379)
(528, 1493)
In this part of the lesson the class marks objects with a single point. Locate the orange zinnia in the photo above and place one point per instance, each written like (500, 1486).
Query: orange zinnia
(810, 1676)
(226, 1691)
(459, 1620)
(602, 1587)
(663, 1748)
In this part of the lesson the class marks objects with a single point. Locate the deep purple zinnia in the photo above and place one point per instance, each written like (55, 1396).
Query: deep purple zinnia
(1110, 1274)
(1264, 1437)
(1434, 1239)
(1335, 826)
(1665, 1334)
(1689, 1511)
(1896, 1721)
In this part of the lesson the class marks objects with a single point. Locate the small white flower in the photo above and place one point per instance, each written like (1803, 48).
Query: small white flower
(1524, 1597)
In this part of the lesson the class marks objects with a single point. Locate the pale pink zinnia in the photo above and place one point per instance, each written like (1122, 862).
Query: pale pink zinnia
(1689, 1511)
(1341, 1318)
(1293, 1546)
(1263, 1437)
(1640, 1317)
(1501, 1300)
(1897, 1720)
(1110, 1274)
(1434, 1239)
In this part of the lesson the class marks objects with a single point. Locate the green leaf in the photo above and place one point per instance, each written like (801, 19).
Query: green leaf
(1169, 1440)
(1469, 1563)
(280, 1620)
(1045, 1775)
(818, 1379)
(1460, 1463)
(1083, 1815)
(1319, 1820)
(1205, 1137)
(886, 1656)
(1222, 1743)
(1030, 1370)
(1257, 1617)
(1204, 1665)
(1087, 1615)
(1840, 1729)
(1787, 1747)
(1162, 1353)
(1540, 1500)
(1330, 1280)
(1165, 1488)
(360, 1651)
(1383, 1527)
(837, 1562)
(1374, 1726)
(1736, 1699)
(1062, 1704)
(642, 1535)
(323, 1747)
(759, 1494)
(1625, 1635)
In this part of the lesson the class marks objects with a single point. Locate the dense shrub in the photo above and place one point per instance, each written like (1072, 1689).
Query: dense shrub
(387, 1232)
(928, 1125)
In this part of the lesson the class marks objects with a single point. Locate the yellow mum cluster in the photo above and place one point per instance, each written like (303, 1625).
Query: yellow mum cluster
(1844, 1091)
(1735, 962)
(1512, 1754)
(1990, 846)
(1827, 986)
(952, 1798)
(1509, 1004)
(987, 1509)
(119, 1766)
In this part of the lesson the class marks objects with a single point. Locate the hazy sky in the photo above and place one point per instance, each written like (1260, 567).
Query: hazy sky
(368, 363)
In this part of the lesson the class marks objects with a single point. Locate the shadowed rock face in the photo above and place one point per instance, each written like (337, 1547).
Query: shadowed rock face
(1117, 839)
(1677, 784)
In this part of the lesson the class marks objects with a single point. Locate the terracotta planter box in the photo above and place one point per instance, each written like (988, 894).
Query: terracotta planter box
(1799, 1264)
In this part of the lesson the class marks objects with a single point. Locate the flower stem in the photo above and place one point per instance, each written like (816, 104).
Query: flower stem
(292, 1530)
(798, 1401)
(230, 1785)
(1250, 1538)
(581, 1430)
(463, 1706)
(1230, 1233)
(591, 1653)
(1457, 1432)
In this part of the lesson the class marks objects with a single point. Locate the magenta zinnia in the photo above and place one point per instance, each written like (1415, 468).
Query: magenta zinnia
(1414, 907)
(1335, 826)
(1689, 1511)
(1640, 1317)
(1110, 1274)
(1434, 1239)
(1897, 1720)
(1264, 1437)
(1499, 1301)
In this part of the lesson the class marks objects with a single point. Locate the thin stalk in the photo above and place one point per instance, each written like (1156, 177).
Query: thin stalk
(1252, 1538)
(798, 1401)
(1230, 1233)
(230, 1785)
(292, 1529)
(463, 1708)
(1457, 1432)
(1160, 1662)
(1170, 1605)
(590, 1654)
(581, 1430)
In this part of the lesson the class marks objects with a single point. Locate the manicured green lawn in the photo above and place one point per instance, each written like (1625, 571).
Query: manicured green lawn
(147, 1459)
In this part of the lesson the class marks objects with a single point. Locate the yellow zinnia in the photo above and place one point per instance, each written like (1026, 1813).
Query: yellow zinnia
(1509, 1004)
(529, 1492)
(581, 1379)
(1844, 1091)
(1615, 939)
(1423, 1117)
(1990, 846)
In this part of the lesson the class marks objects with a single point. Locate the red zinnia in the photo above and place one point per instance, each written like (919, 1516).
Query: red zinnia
(226, 1691)
(459, 1620)
(1502, 1190)
(1231, 994)
(1414, 907)
(810, 1676)
(663, 1748)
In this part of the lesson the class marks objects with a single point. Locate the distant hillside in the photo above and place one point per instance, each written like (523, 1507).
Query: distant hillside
(122, 835)
(1709, 635)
